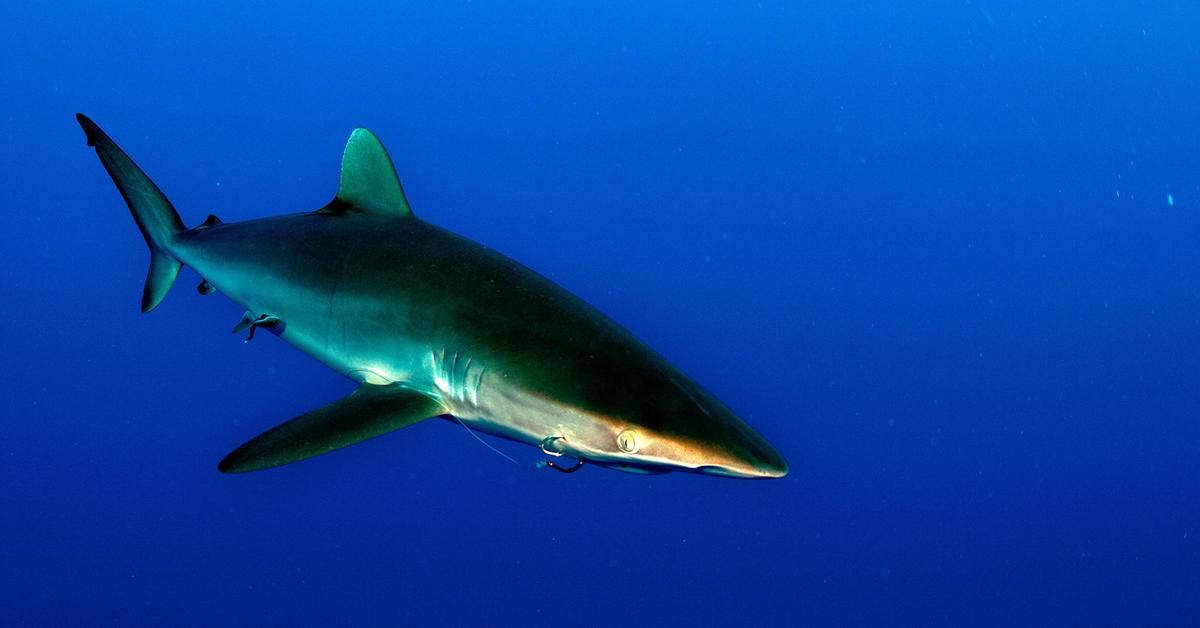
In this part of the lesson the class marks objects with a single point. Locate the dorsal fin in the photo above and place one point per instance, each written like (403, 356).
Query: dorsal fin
(369, 183)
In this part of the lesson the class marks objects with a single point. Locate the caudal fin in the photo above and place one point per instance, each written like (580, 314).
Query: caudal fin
(153, 213)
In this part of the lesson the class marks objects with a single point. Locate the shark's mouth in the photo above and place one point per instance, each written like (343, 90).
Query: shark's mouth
(655, 469)
(640, 469)
(727, 472)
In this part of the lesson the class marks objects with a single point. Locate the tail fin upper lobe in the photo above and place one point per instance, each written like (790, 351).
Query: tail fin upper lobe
(155, 217)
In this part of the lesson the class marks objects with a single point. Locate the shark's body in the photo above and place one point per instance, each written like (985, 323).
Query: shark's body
(433, 324)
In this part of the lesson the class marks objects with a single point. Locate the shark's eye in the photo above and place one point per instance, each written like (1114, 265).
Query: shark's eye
(628, 441)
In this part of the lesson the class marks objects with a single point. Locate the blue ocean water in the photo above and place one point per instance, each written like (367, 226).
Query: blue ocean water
(943, 255)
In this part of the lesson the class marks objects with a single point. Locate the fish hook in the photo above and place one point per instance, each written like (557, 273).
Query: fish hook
(545, 447)
(546, 442)
(562, 469)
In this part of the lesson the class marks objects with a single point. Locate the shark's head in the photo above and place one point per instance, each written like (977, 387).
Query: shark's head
(673, 426)
(740, 453)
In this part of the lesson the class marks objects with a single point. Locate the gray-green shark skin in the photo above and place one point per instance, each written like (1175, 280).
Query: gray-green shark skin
(432, 324)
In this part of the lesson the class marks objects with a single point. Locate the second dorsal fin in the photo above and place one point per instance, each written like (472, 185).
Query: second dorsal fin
(369, 183)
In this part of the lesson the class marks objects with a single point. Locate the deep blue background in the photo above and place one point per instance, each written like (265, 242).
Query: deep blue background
(926, 250)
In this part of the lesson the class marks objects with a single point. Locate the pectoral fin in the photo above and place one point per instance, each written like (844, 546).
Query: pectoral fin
(368, 412)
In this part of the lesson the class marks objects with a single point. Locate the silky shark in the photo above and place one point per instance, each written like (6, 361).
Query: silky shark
(431, 324)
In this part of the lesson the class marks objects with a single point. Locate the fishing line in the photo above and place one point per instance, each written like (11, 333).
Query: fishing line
(485, 443)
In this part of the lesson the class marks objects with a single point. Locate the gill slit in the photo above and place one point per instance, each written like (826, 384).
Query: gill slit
(478, 383)
(451, 374)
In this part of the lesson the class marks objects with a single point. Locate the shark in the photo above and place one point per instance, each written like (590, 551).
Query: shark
(430, 324)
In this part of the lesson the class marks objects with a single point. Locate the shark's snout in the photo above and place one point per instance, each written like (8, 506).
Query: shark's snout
(751, 457)
(702, 435)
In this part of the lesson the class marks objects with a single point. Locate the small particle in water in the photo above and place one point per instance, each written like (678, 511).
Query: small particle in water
(707, 258)
(1170, 200)
(987, 15)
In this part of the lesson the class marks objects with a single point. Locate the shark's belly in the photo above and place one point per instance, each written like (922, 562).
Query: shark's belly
(476, 388)
(437, 315)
